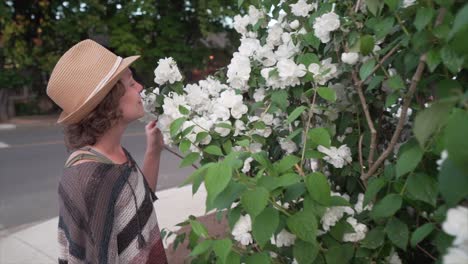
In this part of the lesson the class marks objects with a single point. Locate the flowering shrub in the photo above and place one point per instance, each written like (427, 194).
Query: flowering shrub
(336, 135)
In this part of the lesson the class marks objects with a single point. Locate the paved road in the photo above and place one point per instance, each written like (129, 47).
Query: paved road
(31, 165)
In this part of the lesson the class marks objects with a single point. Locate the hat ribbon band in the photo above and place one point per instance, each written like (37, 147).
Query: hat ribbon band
(106, 78)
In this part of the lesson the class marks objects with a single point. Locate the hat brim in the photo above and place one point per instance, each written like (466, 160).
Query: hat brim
(88, 106)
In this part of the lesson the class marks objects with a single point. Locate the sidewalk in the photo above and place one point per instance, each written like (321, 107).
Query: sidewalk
(34, 120)
(38, 243)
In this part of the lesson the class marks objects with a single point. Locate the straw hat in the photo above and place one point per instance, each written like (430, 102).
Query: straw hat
(82, 78)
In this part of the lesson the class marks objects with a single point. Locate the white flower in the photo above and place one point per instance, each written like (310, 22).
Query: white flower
(337, 157)
(456, 224)
(324, 71)
(350, 58)
(255, 147)
(314, 165)
(238, 110)
(254, 15)
(456, 255)
(259, 95)
(359, 204)
(443, 157)
(325, 24)
(248, 46)
(220, 111)
(333, 214)
(222, 130)
(241, 230)
(274, 35)
(267, 119)
(239, 126)
(301, 8)
(246, 167)
(195, 95)
(241, 23)
(239, 71)
(287, 68)
(288, 145)
(295, 24)
(407, 3)
(167, 71)
(360, 231)
(394, 259)
(229, 98)
(156, 91)
(171, 105)
(283, 239)
(213, 86)
(265, 55)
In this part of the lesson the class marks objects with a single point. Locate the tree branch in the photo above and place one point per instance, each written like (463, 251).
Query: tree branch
(370, 123)
(407, 101)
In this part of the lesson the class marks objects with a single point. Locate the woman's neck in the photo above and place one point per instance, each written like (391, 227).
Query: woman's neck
(109, 143)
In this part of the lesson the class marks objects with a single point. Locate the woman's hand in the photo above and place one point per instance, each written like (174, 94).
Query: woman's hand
(154, 138)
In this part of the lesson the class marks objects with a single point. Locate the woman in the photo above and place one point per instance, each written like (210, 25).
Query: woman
(106, 212)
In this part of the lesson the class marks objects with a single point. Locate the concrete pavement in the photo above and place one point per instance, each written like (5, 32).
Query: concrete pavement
(38, 242)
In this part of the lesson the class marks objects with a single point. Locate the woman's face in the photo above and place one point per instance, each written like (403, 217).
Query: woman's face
(130, 103)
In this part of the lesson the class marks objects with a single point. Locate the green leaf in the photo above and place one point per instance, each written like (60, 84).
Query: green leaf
(318, 187)
(341, 228)
(254, 201)
(184, 145)
(339, 254)
(372, 189)
(375, 81)
(338, 201)
(456, 133)
(327, 93)
(280, 98)
(387, 207)
(319, 136)
(233, 258)
(307, 59)
(304, 225)
(258, 258)
(433, 59)
(239, 3)
(392, 4)
(430, 120)
(384, 27)
(265, 225)
(189, 159)
(409, 158)
(424, 15)
(183, 110)
(460, 22)
(397, 232)
(199, 228)
(222, 248)
(366, 69)
(201, 248)
(396, 83)
(175, 125)
(423, 187)
(286, 163)
(451, 59)
(305, 252)
(288, 179)
(312, 40)
(374, 6)
(453, 182)
(216, 179)
(201, 136)
(421, 233)
(296, 113)
(366, 44)
(230, 194)
(374, 238)
(214, 150)
(243, 143)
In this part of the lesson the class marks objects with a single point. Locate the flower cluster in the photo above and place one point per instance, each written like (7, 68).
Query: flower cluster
(456, 225)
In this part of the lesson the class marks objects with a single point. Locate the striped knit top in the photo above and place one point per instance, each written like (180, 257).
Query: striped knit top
(106, 215)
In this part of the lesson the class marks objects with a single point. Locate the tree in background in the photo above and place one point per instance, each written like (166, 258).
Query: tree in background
(35, 33)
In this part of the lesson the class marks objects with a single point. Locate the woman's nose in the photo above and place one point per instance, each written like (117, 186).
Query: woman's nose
(140, 88)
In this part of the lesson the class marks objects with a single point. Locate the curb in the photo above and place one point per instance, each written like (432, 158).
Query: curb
(37, 120)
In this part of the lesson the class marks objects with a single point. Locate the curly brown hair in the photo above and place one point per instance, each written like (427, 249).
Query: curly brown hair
(92, 127)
